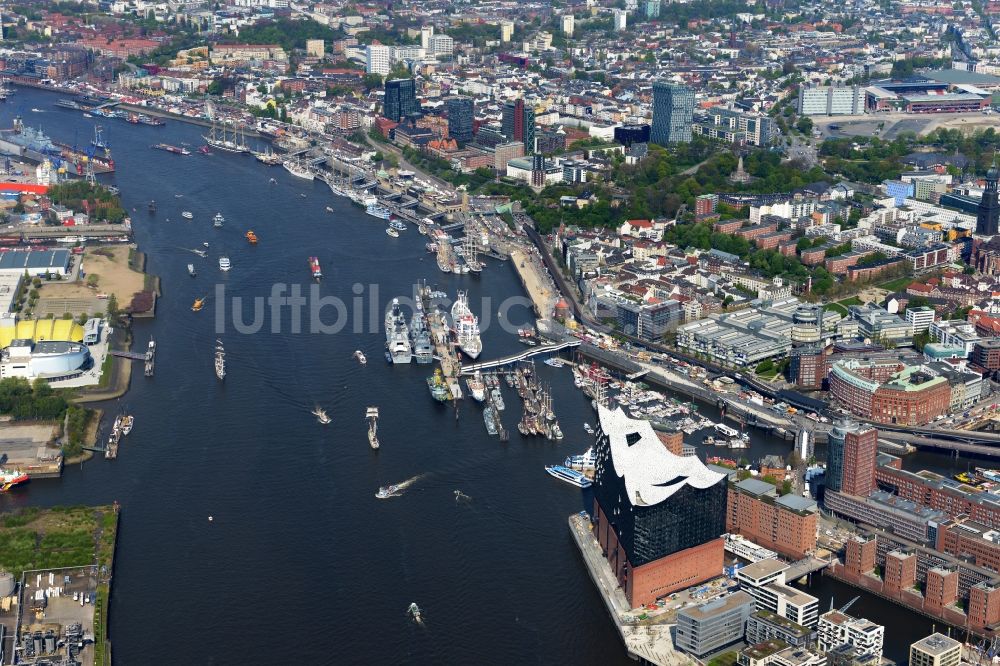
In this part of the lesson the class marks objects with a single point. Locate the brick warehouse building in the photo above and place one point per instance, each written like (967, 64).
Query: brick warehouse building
(786, 524)
(889, 392)
(658, 517)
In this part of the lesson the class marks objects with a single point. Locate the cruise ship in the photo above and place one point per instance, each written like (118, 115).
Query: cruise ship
(466, 326)
(397, 335)
(423, 350)
(570, 476)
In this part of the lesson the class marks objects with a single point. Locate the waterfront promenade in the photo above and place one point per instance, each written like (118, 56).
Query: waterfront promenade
(652, 643)
(536, 283)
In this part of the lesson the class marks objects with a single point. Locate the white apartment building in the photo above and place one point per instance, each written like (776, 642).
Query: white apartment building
(837, 628)
(378, 59)
(920, 318)
(765, 582)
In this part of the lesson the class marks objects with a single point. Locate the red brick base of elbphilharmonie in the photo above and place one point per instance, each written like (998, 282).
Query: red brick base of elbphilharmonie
(648, 582)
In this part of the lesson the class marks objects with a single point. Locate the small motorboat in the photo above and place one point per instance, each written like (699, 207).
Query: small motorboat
(361, 357)
(199, 303)
(191, 270)
(329, 210)
(415, 613)
(321, 416)
(205, 243)
(187, 215)
(392, 232)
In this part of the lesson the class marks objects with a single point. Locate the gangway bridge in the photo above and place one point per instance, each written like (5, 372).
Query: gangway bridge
(514, 358)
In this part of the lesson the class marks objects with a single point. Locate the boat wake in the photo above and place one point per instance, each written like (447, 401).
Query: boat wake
(403, 485)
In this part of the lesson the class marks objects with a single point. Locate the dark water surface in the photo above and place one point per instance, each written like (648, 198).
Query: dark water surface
(301, 560)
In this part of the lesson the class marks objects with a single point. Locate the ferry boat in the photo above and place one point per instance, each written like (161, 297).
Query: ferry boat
(298, 169)
(224, 264)
(585, 462)
(726, 431)
(187, 215)
(198, 304)
(358, 354)
(127, 423)
(387, 491)
(176, 150)
(438, 387)
(314, 268)
(989, 474)
(321, 416)
(251, 237)
(10, 478)
(392, 232)
(476, 386)
(372, 415)
(218, 220)
(397, 225)
(379, 211)
(570, 476)
(191, 270)
(220, 360)
(466, 327)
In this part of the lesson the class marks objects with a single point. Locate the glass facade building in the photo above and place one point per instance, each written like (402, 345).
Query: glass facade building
(518, 124)
(673, 113)
(400, 99)
(460, 116)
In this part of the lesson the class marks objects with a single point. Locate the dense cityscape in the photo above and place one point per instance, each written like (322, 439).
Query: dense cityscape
(747, 263)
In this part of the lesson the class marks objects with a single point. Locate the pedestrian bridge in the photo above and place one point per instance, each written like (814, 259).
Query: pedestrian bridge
(514, 358)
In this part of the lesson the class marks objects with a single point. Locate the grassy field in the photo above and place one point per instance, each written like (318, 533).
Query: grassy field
(897, 284)
(33, 538)
(848, 302)
(836, 307)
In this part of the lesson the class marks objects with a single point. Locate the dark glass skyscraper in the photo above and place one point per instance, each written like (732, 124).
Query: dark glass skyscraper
(673, 113)
(400, 99)
(518, 124)
(461, 113)
(988, 213)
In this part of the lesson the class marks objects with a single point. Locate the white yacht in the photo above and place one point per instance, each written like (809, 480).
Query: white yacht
(224, 264)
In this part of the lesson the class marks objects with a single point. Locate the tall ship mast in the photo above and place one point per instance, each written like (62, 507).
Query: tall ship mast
(220, 138)
(471, 247)
(372, 416)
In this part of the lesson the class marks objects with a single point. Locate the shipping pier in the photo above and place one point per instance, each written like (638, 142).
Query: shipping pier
(148, 357)
(444, 348)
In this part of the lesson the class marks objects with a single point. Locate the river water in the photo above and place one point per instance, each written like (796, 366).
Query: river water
(300, 559)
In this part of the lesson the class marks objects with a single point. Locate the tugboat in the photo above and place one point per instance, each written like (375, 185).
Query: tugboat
(372, 416)
(414, 612)
(321, 416)
(314, 268)
(438, 387)
(220, 361)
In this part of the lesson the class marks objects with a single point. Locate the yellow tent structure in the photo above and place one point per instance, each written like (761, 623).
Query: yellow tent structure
(41, 329)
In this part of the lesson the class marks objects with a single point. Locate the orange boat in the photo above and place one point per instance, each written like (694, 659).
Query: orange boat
(252, 237)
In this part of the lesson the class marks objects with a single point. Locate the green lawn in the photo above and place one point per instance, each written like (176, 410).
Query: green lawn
(836, 307)
(33, 538)
(897, 284)
(848, 302)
